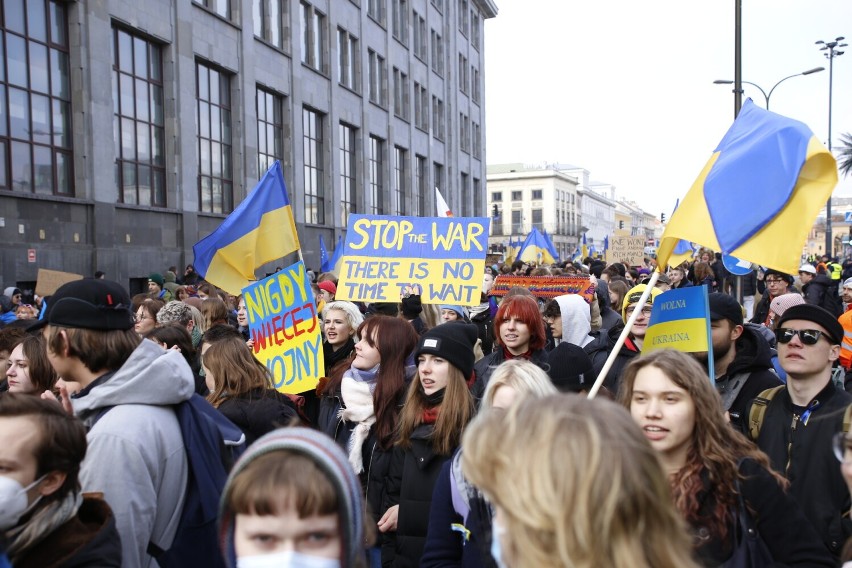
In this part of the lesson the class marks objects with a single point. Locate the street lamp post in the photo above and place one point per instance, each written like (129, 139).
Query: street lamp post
(831, 49)
(765, 94)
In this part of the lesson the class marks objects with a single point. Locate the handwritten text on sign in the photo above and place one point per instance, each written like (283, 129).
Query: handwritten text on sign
(626, 249)
(441, 258)
(285, 330)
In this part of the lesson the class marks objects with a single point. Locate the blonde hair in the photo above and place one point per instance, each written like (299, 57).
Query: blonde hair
(576, 484)
(524, 377)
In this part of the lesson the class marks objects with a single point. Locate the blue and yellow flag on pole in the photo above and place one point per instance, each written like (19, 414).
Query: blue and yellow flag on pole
(259, 230)
(758, 195)
(535, 249)
(680, 320)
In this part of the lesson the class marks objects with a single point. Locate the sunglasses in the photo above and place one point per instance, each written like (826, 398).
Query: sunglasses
(841, 443)
(807, 336)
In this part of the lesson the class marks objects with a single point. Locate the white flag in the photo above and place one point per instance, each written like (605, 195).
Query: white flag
(443, 208)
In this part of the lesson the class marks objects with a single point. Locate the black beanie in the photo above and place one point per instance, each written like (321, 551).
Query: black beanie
(382, 309)
(570, 368)
(454, 341)
(411, 306)
(817, 315)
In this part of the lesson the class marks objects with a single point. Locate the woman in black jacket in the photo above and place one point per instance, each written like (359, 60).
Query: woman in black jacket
(711, 466)
(340, 321)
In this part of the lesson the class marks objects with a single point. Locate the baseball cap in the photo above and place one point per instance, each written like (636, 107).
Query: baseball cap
(96, 304)
(725, 306)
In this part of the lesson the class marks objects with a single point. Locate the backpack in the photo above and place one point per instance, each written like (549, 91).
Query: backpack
(758, 411)
(213, 443)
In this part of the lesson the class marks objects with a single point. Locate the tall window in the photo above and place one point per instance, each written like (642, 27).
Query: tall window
(437, 53)
(474, 29)
(313, 159)
(477, 195)
(215, 170)
(270, 129)
(464, 132)
(418, 200)
(463, 12)
(347, 60)
(313, 37)
(462, 74)
(439, 4)
(464, 190)
(347, 173)
(378, 78)
(421, 107)
(400, 94)
(438, 177)
(268, 19)
(477, 141)
(420, 37)
(137, 80)
(517, 223)
(437, 118)
(400, 176)
(536, 218)
(400, 20)
(35, 99)
(377, 165)
(474, 84)
(376, 10)
(221, 7)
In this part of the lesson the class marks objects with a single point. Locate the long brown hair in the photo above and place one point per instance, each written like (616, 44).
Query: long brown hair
(454, 413)
(235, 370)
(716, 447)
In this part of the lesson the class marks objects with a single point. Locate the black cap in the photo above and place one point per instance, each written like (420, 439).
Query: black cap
(89, 304)
(817, 315)
(382, 309)
(782, 275)
(725, 306)
(454, 341)
(570, 368)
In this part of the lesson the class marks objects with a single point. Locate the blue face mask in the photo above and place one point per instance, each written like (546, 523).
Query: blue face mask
(496, 548)
(287, 559)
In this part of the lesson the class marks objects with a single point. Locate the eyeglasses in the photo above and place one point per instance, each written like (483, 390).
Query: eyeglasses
(841, 443)
(774, 280)
(143, 317)
(646, 310)
(807, 336)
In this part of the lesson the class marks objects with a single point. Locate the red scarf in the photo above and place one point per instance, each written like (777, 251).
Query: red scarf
(430, 415)
(507, 355)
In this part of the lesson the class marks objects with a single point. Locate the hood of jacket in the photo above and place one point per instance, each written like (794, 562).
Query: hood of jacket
(753, 354)
(151, 375)
(576, 319)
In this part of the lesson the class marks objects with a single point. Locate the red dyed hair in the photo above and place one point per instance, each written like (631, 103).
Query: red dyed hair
(525, 309)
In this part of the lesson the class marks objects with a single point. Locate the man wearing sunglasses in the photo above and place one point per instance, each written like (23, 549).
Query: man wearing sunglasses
(801, 419)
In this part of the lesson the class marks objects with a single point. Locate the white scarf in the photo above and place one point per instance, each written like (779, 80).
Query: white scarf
(358, 401)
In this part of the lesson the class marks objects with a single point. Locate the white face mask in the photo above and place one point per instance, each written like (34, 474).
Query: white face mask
(13, 501)
(287, 559)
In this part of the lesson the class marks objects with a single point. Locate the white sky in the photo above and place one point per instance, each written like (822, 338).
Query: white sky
(624, 88)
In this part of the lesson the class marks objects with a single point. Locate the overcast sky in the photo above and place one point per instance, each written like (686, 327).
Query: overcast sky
(624, 88)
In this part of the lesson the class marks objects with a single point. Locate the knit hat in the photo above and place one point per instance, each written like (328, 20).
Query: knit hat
(725, 306)
(784, 302)
(11, 291)
(157, 278)
(777, 273)
(174, 311)
(328, 286)
(570, 368)
(329, 458)
(454, 341)
(847, 283)
(89, 304)
(461, 311)
(169, 276)
(817, 315)
(412, 306)
(633, 296)
(382, 309)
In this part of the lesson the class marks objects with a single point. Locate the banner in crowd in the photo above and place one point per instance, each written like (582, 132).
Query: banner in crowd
(285, 328)
(680, 320)
(545, 286)
(630, 250)
(440, 258)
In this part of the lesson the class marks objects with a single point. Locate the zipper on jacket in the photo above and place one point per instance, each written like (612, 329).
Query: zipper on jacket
(369, 469)
(793, 425)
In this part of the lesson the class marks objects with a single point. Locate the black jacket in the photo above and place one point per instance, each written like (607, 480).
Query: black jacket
(484, 327)
(753, 357)
(600, 348)
(411, 480)
(822, 292)
(813, 471)
(258, 412)
(485, 366)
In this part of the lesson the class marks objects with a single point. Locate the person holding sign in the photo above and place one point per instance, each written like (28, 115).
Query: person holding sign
(720, 481)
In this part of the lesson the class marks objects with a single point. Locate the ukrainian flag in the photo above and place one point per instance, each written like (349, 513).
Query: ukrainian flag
(680, 320)
(535, 249)
(758, 195)
(259, 230)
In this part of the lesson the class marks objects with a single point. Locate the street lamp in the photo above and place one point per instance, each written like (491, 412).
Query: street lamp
(765, 95)
(831, 49)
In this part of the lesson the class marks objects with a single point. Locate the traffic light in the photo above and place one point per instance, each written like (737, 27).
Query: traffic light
(662, 217)
(495, 213)
(621, 224)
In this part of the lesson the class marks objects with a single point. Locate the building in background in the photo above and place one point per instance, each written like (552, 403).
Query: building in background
(129, 130)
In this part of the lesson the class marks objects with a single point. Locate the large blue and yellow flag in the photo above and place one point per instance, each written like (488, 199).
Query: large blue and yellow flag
(550, 246)
(759, 193)
(680, 320)
(535, 249)
(333, 264)
(259, 230)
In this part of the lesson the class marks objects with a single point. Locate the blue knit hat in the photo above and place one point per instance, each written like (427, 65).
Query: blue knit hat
(461, 311)
(331, 460)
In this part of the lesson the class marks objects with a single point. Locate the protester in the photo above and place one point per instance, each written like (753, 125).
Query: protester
(146, 316)
(609, 317)
(842, 445)
(711, 466)
(7, 311)
(820, 290)
(174, 336)
(573, 483)
(293, 500)
(327, 290)
(569, 319)
(340, 323)
(181, 313)
(214, 311)
(190, 276)
(777, 283)
(9, 337)
(242, 319)
(26, 312)
(453, 313)
(29, 370)
(45, 521)
(617, 291)
(845, 321)
(412, 307)
(156, 287)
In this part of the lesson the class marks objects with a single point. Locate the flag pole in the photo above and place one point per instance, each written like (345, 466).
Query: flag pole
(623, 337)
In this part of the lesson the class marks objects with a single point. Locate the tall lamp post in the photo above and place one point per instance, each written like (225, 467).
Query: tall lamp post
(765, 94)
(831, 49)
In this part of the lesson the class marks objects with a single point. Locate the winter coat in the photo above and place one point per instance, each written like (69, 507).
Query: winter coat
(599, 349)
(411, 480)
(822, 292)
(258, 412)
(609, 317)
(87, 540)
(802, 451)
(135, 455)
(576, 319)
(485, 366)
(481, 317)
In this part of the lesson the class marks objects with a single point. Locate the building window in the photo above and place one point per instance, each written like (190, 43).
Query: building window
(536, 218)
(215, 171)
(421, 107)
(420, 37)
(220, 7)
(464, 132)
(437, 53)
(463, 12)
(464, 190)
(536, 194)
(140, 168)
(478, 195)
(378, 73)
(268, 19)
(437, 118)
(477, 140)
(376, 10)
(438, 175)
(35, 99)
(474, 29)
(347, 173)
(496, 196)
(474, 84)
(400, 175)
(439, 5)
(348, 59)
(313, 37)
(270, 129)
(517, 195)
(400, 94)
(463, 76)
(418, 200)
(376, 175)
(400, 20)
(517, 222)
(313, 149)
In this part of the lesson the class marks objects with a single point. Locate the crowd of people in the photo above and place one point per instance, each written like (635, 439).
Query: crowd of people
(439, 435)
